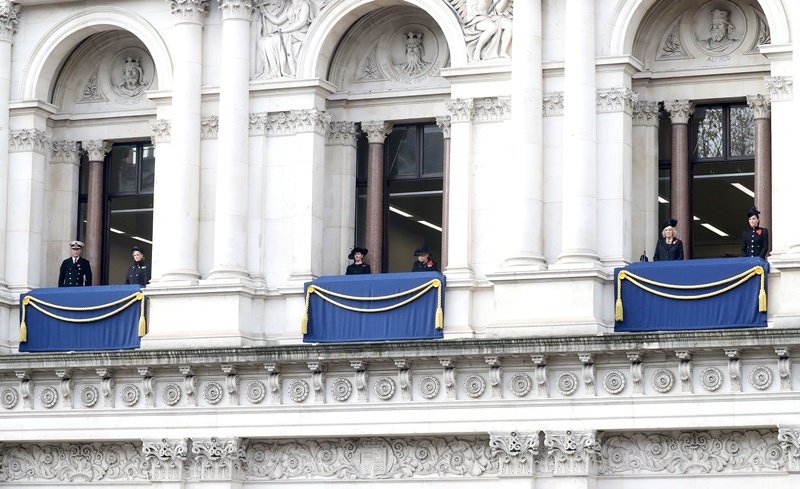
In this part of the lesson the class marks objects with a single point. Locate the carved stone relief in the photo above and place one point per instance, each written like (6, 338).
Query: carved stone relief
(487, 27)
(92, 92)
(132, 73)
(672, 44)
(409, 55)
(28, 140)
(719, 28)
(9, 18)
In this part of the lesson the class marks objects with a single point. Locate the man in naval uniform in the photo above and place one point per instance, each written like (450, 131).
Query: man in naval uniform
(75, 271)
(755, 241)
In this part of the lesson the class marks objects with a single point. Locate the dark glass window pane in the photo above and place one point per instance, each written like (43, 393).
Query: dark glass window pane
(402, 152)
(81, 236)
(83, 180)
(432, 151)
(123, 170)
(362, 156)
(743, 134)
(148, 169)
(130, 224)
(664, 137)
(707, 132)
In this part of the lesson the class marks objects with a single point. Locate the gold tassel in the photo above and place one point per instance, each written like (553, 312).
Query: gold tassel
(618, 309)
(304, 323)
(762, 301)
(23, 332)
(439, 318)
(142, 326)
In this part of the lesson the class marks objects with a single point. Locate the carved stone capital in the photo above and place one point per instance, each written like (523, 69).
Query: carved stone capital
(217, 459)
(443, 121)
(342, 133)
(9, 18)
(616, 100)
(64, 152)
(492, 109)
(679, 110)
(760, 105)
(209, 127)
(645, 114)
(572, 453)
(779, 88)
(516, 453)
(376, 130)
(160, 131)
(553, 104)
(189, 10)
(461, 109)
(96, 149)
(311, 120)
(28, 140)
(237, 9)
(165, 460)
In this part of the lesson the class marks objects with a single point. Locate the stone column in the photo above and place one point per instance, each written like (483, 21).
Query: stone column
(459, 230)
(763, 158)
(96, 151)
(176, 223)
(524, 199)
(614, 188)
(311, 126)
(230, 228)
(376, 183)
(444, 124)
(340, 183)
(9, 17)
(644, 192)
(27, 150)
(681, 174)
(784, 233)
(579, 186)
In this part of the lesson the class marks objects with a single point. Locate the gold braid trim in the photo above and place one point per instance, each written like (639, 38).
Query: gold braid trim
(420, 291)
(38, 305)
(739, 280)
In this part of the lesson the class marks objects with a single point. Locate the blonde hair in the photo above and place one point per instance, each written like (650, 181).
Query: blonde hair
(674, 232)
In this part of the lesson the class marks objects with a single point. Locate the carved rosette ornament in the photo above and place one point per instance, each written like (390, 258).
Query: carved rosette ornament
(237, 9)
(171, 394)
(189, 10)
(341, 389)
(9, 18)
(9, 397)
(517, 453)
(213, 392)
(614, 382)
(298, 390)
(255, 391)
(663, 380)
(711, 379)
(215, 459)
(129, 395)
(520, 384)
(65, 464)
(761, 377)
(474, 386)
(572, 453)
(48, 397)
(165, 460)
(89, 396)
(567, 383)
(429, 387)
(384, 388)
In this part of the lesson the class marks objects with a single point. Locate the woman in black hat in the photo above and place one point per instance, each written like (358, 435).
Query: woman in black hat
(424, 261)
(755, 241)
(139, 272)
(668, 247)
(358, 267)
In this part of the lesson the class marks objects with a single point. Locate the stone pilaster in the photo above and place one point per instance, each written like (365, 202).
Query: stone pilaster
(9, 18)
(644, 178)
(444, 124)
(459, 232)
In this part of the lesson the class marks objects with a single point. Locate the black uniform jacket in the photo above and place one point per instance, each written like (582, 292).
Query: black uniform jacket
(666, 252)
(138, 273)
(755, 242)
(358, 269)
(428, 266)
(75, 274)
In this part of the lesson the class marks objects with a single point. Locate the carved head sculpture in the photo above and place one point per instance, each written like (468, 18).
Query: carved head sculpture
(414, 43)
(720, 25)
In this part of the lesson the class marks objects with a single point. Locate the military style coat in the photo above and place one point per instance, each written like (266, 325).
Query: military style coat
(138, 273)
(755, 242)
(75, 274)
(358, 269)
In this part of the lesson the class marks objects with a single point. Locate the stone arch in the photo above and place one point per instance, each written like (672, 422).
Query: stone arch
(48, 55)
(334, 21)
(628, 16)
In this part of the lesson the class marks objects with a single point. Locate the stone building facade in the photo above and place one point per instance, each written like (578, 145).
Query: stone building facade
(564, 132)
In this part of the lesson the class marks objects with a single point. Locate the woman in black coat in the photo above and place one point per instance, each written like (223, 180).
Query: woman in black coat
(358, 267)
(755, 241)
(139, 272)
(669, 247)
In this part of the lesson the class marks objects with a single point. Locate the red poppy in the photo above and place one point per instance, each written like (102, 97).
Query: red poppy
(758, 232)
(429, 263)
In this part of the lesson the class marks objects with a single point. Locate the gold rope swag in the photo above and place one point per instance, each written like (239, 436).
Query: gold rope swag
(419, 290)
(736, 279)
(39, 305)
